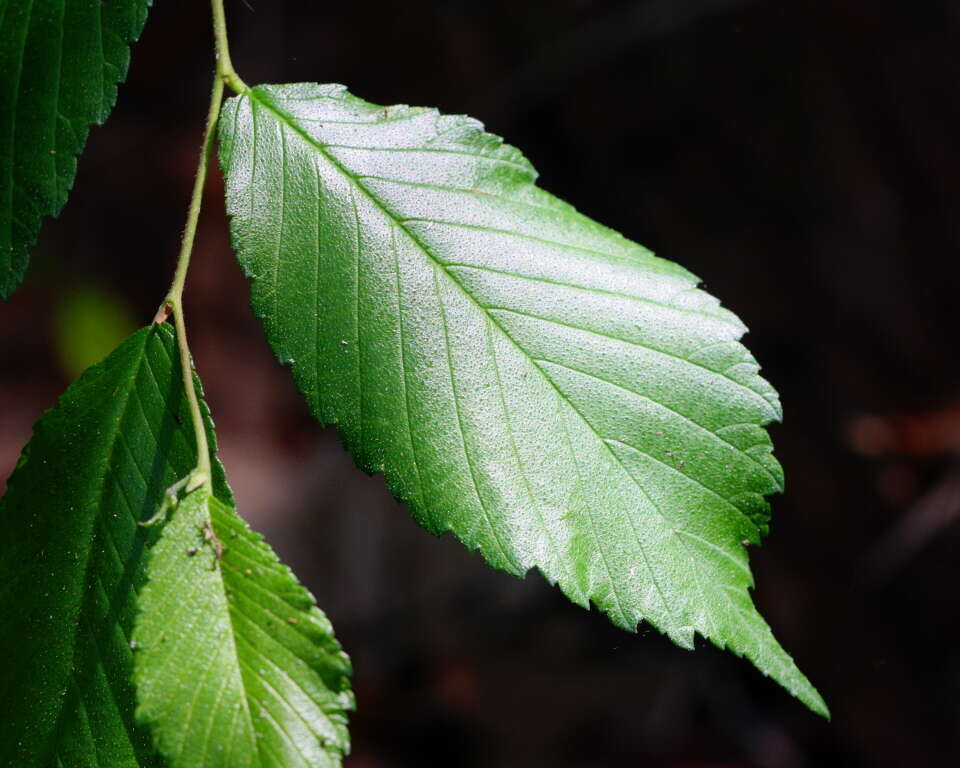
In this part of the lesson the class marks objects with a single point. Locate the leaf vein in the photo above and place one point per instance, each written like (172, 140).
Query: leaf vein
(447, 265)
(403, 365)
(658, 350)
(463, 443)
(666, 407)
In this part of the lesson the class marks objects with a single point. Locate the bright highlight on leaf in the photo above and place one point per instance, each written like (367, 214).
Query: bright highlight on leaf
(60, 62)
(551, 392)
(72, 557)
(235, 665)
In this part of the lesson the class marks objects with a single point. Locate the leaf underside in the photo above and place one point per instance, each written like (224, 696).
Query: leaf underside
(235, 665)
(72, 557)
(60, 63)
(550, 392)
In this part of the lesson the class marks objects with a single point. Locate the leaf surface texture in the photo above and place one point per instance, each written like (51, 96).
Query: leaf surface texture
(235, 664)
(552, 393)
(60, 63)
(72, 557)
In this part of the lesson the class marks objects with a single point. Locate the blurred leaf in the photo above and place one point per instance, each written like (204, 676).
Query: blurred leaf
(90, 322)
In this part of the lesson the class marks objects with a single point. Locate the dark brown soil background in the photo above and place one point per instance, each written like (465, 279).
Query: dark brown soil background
(801, 157)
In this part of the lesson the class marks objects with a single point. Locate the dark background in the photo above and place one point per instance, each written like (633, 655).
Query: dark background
(801, 157)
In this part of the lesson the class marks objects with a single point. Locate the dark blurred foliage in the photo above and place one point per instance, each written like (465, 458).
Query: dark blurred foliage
(801, 157)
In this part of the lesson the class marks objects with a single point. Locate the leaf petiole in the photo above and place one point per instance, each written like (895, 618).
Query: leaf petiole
(225, 68)
(198, 478)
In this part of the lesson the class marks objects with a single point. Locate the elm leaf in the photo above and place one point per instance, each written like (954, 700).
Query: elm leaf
(60, 63)
(552, 393)
(72, 556)
(235, 665)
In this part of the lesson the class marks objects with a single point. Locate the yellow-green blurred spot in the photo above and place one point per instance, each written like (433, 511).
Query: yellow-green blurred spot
(90, 322)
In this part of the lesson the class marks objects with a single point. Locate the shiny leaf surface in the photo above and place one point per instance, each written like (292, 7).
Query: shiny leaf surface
(235, 665)
(551, 392)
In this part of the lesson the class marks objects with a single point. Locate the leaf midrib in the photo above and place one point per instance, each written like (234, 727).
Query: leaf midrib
(235, 653)
(290, 122)
(97, 492)
(235, 614)
(401, 222)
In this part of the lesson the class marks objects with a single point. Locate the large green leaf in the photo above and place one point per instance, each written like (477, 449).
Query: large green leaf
(72, 557)
(235, 665)
(60, 62)
(551, 392)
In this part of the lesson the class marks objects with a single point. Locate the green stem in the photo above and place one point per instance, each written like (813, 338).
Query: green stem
(173, 302)
(224, 65)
